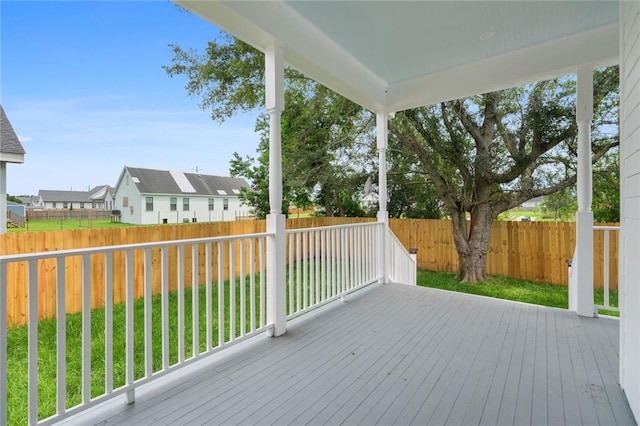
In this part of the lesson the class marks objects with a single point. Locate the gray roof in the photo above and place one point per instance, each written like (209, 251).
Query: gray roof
(28, 199)
(9, 142)
(62, 196)
(162, 182)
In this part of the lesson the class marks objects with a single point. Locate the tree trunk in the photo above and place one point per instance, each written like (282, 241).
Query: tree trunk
(328, 210)
(472, 244)
(341, 212)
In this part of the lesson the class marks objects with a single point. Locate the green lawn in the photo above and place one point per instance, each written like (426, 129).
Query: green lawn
(536, 293)
(68, 224)
(17, 349)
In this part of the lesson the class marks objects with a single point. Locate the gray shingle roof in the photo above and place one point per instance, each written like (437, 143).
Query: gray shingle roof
(9, 142)
(162, 182)
(62, 196)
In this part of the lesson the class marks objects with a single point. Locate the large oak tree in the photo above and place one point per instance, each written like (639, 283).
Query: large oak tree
(482, 155)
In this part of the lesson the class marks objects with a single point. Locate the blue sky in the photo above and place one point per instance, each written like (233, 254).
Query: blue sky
(83, 86)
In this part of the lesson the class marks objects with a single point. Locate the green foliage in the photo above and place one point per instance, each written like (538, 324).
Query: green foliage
(325, 143)
(490, 153)
(606, 189)
(562, 205)
(14, 199)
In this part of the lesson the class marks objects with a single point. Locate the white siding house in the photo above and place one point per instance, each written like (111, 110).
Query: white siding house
(99, 198)
(147, 196)
(630, 202)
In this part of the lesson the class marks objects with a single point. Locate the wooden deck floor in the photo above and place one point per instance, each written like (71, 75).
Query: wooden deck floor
(401, 355)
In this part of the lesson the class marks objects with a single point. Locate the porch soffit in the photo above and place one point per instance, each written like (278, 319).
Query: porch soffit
(394, 55)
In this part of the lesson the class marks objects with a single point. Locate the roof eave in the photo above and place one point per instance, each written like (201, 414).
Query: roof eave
(7, 157)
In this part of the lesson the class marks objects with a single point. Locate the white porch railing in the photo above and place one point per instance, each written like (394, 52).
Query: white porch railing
(168, 324)
(606, 266)
(329, 262)
(139, 319)
(401, 264)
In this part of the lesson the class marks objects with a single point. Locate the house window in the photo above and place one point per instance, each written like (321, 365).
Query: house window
(82, 205)
(65, 205)
(210, 204)
(53, 204)
(225, 204)
(185, 204)
(149, 204)
(173, 201)
(125, 201)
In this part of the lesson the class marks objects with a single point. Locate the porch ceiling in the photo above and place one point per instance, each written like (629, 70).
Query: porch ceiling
(394, 55)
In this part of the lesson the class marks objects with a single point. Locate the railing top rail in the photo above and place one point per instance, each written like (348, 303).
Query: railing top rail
(349, 225)
(123, 247)
(607, 227)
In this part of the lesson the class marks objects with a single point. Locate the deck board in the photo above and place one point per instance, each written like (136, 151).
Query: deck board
(397, 354)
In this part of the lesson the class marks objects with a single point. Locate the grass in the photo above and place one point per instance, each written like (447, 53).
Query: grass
(17, 349)
(67, 224)
(537, 293)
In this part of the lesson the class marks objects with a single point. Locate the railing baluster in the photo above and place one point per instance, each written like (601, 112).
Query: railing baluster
(195, 302)
(33, 342)
(209, 302)
(344, 259)
(166, 359)
(3, 343)
(252, 284)
(313, 272)
(232, 291)
(86, 328)
(606, 268)
(262, 287)
(298, 274)
(221, 293)
(243, 292)
(305, 277)
(181, 327)
(129, 346)
(290, 278)
(323, 268)
(108, 319)
(61, 338)
(148, 331)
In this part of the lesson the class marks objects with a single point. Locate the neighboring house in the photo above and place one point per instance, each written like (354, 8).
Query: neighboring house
(532, 203)
(102, 197)
(99, 198)
(147, 196)
(370, 200)
(11, 151)
(29, 200)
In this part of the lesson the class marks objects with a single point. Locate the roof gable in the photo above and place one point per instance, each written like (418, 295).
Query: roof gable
(9, 142)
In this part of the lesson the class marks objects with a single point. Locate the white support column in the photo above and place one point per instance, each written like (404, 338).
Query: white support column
(276, 294)
(581, 295)
(3, 197)
(382, 121)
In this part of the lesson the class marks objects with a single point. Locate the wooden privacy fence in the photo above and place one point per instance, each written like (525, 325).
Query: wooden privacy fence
(526, 250)
(536, 251)
(35, 242)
